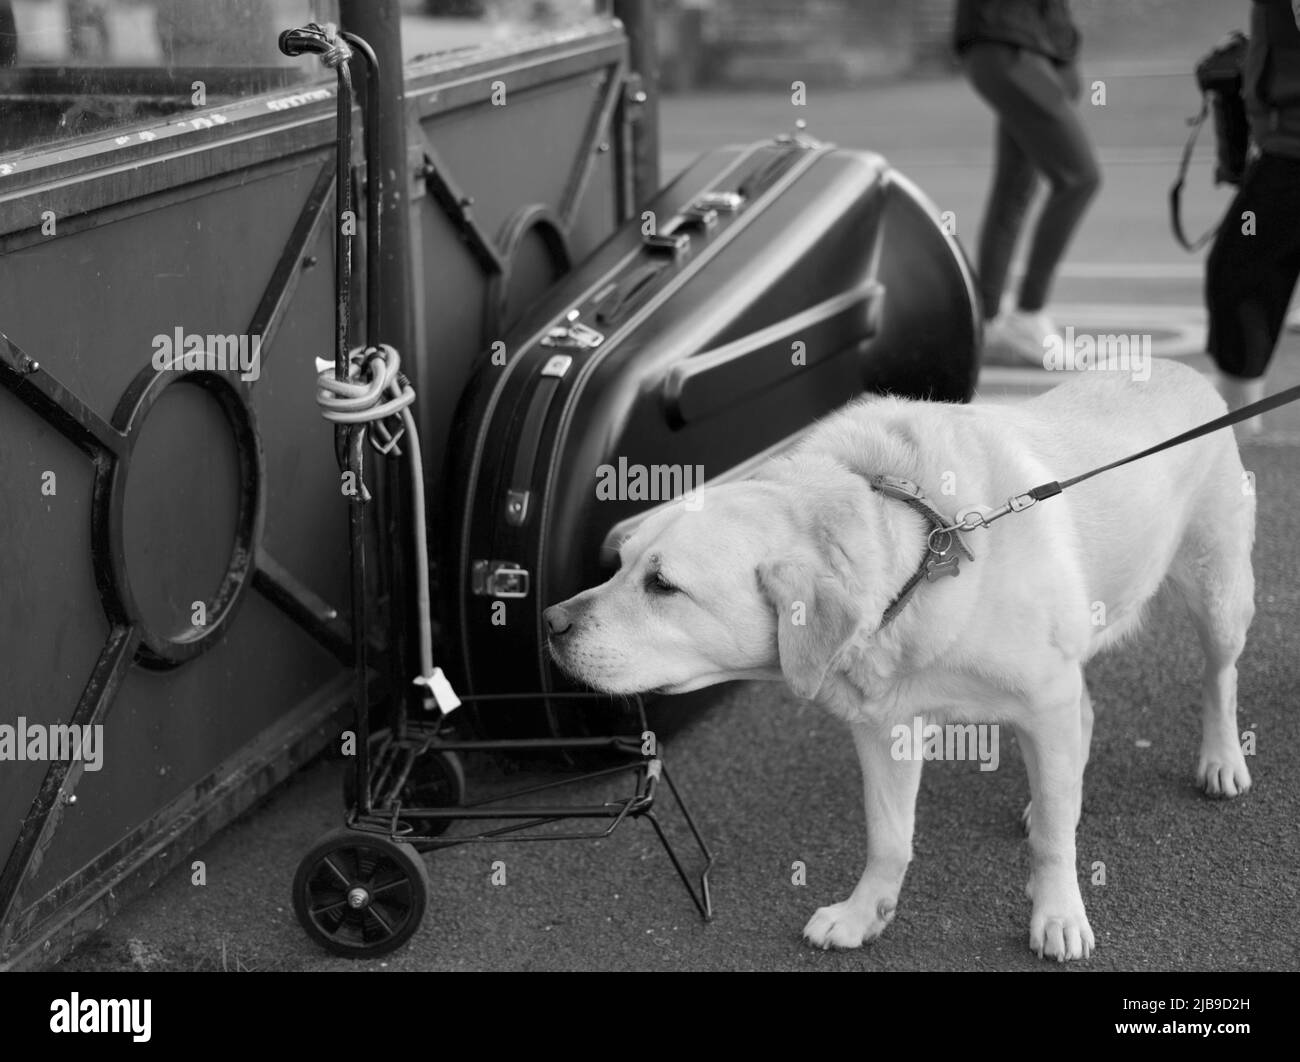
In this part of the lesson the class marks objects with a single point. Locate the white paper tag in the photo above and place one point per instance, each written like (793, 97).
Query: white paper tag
(440, 687)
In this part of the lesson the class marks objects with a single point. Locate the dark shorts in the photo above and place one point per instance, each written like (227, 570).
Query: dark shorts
(1249, 278)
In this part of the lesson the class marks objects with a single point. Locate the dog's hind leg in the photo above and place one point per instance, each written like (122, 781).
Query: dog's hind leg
(1085, 725)
(1213, 573)
(889, 788)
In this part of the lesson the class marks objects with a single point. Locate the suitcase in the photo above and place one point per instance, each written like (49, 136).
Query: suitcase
(763, 288)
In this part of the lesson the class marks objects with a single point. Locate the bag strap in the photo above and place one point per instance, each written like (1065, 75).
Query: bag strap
(1176, 192)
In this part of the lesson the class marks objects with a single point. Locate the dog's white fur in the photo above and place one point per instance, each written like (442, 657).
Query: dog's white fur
(787, 576)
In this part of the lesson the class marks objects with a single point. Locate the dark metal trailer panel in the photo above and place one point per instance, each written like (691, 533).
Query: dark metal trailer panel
(180, 577)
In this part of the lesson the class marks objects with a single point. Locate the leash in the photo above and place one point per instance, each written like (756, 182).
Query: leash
(942, 557)
(970, 519)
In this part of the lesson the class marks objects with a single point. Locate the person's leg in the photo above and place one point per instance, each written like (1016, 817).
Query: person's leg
(1289, 263)
(1250, 275)
(1014, 181)
(1042, 116)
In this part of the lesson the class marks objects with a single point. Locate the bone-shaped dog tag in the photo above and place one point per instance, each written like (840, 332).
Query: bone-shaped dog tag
(944, 563)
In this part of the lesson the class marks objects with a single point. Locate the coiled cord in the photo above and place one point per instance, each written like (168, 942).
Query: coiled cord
(376, 393)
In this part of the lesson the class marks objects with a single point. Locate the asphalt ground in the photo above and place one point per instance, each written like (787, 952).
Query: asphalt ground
(1190, 883)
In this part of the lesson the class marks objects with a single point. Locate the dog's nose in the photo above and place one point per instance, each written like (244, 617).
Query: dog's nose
(557, 621)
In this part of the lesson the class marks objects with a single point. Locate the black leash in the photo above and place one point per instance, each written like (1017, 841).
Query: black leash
(973, 519)
(1048, 490)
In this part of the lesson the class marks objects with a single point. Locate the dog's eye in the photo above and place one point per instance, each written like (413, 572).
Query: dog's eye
(657, 584)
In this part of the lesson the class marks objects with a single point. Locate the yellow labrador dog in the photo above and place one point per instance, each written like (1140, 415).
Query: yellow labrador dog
(789, 575)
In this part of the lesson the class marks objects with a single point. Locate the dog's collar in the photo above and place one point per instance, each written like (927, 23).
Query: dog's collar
(936, 562)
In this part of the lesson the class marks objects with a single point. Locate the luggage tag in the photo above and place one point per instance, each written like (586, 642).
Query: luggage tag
(440, 688)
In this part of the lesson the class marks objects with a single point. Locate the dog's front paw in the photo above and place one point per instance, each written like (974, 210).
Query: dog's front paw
(1223, 773)
(1061, 931)
(848, 924)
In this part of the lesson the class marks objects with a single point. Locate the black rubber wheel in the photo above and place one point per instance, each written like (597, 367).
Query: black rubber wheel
(360, 895)
(437, 780)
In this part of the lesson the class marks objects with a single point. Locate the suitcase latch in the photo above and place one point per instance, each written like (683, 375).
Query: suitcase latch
(572, 334)
(706, 217)
(722, 202)
(799, 138)
(498, 578)
(673, 244)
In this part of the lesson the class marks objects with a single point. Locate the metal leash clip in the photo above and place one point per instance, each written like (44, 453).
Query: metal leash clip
(974, 516)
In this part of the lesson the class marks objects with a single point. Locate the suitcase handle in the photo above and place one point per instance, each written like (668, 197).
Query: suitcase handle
(765, 175)
(673, 240)
(616, 302)
(716, 379)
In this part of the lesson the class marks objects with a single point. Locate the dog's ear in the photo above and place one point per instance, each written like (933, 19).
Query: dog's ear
(815, 618)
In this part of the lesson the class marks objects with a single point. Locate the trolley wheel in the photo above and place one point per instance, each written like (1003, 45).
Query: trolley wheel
(360, 895)
(437, 780)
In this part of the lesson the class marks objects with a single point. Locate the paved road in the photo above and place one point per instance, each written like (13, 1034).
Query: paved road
(1190, 884)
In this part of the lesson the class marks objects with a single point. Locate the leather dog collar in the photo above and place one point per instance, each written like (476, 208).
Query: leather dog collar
(936, 562)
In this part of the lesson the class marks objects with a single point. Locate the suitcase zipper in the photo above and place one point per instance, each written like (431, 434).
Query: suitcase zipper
(614, 300)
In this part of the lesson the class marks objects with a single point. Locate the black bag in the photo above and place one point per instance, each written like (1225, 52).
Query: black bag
(771, 284)
(1219, 77)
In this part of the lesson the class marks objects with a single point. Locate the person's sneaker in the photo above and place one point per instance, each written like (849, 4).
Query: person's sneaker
(1238, 392)
(1017, 337)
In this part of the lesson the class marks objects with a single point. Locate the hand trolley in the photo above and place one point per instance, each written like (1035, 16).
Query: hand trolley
(362, 890)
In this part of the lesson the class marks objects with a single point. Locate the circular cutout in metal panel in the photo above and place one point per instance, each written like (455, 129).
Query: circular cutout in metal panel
(184, 513)
(536, 254)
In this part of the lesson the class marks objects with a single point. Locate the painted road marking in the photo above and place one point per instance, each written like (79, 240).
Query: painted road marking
(1172, 271)
(1025, 383)
(1176, 331)
(981, 158)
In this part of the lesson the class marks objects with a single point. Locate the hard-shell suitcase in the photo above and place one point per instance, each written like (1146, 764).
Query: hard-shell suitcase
(764, 287)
